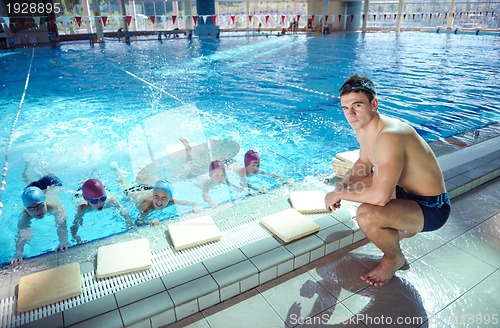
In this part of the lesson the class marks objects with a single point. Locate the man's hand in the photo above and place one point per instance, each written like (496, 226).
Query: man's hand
(332, 201)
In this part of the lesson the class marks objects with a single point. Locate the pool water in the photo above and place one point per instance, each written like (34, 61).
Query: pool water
(86, 107)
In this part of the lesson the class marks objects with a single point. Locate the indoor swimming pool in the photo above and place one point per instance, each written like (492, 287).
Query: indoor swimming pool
(77, 111)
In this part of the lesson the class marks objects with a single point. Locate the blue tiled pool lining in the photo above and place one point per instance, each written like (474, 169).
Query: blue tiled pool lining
(181, 283)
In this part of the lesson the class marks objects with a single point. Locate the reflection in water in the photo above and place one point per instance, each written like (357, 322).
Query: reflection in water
(371, 306)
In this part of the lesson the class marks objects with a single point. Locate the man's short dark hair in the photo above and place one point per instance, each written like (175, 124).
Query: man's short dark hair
(357, 83)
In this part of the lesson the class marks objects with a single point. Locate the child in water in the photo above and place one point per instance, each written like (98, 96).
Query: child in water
(150, 198)
(252, 168)
(217, 173)
(95, 198)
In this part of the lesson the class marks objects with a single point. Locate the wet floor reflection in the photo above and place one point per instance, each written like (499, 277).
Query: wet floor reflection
(367, 305)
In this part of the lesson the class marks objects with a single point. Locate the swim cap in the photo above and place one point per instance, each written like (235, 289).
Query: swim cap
(32, 195)
(93, 188)
(214, 166)
(165, 186)
(251, 156)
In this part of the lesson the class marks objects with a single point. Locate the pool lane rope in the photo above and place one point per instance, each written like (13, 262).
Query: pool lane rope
(9, 141)
(290, 85)
(170, 95)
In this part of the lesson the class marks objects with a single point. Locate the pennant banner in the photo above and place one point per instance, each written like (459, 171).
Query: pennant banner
(37, 20)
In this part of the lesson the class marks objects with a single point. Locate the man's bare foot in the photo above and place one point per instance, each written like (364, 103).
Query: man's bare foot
(384, 271)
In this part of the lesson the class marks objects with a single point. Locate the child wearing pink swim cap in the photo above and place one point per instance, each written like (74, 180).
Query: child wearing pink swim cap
(252, 167)
(95, 198)
(217, 174)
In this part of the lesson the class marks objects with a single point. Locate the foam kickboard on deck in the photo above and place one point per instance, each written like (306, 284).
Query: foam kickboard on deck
(125, 257)
(308, 201)
(289, 225)
(349, 156)
(48, 287)
(193, 232)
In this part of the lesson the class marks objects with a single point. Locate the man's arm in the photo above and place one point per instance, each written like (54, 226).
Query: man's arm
(389, 161)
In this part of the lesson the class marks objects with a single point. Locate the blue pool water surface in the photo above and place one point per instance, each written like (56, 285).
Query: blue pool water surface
(85, 108)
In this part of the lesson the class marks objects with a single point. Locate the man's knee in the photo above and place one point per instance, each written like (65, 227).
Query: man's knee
(367, 216)
(363, 216)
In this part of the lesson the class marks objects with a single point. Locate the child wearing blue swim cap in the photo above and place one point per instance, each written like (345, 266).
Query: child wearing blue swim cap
(150, 198)
(39, 198)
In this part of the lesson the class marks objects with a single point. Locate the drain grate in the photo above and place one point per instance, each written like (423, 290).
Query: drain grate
(163, 261)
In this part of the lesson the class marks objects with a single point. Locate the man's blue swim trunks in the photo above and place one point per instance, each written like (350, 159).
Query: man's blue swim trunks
(436, 209)
(46, 181)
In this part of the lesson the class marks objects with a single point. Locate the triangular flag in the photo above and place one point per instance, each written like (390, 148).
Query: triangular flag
(267, 19)
(104, 20)
(214, 19)
(195, 20)
(352, 17)
(6, 20)
(152, 17)
(298, 18)
(283, 19)
(173, 19)
(326, 19)
(340, 17)
(37, 20)
(312, 17)
(203, 18)
(232, 18)
(78, 20)
(128, 19)
(22, 20)
(250, 18)
(65, 20)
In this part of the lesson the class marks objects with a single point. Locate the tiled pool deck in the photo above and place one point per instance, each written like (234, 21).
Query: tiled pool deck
(245, 264)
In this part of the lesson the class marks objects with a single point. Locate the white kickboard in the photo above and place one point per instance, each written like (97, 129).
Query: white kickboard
(349, 156)
(308, 201)
(121, 258)
(193, 232)
(289, 225)
(49, 286)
